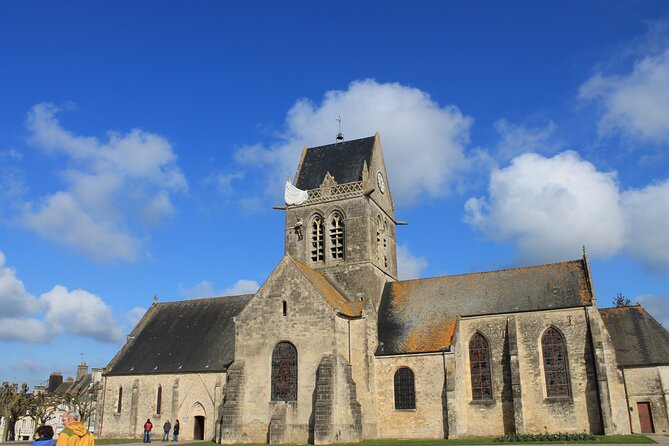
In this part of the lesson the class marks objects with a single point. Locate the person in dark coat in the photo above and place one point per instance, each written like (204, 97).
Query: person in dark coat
(166, 430)
(175, 433)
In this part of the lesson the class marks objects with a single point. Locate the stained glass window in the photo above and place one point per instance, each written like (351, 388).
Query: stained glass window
(555, 363)
(479, 362)
(405, 392)
(284, 372)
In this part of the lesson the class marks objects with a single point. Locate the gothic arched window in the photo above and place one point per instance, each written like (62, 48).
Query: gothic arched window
(284, 372)
(405, 391)
(159, 399)
(379, 239)
(119, 404)
(337, 236)
(479, 363)
(556, 372)
(317, 239)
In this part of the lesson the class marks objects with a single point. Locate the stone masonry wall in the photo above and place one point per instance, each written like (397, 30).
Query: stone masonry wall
(309, 324)
(426, 421)
(648, 385)
(196, 395)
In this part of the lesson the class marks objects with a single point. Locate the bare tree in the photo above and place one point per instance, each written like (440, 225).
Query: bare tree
(41, 407)
(13, 405)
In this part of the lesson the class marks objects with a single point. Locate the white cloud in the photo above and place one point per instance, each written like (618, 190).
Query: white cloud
(518, 139)
(206, 289)
(135, 314)
(81, 313)
(647, 215)
(657, 306)
(23, 330)
(423, 142)
(14, 299)
(409, 266)
(202, 289)
(549, 207)
(242, 286)
(634, 105)
(111, 187)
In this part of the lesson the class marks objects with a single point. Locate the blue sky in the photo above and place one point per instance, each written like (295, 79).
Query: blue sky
(143, 145)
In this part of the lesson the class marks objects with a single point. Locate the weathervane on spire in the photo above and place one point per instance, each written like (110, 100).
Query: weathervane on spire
(340, 135)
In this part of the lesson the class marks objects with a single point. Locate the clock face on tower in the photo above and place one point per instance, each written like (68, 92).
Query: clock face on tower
(381, 182)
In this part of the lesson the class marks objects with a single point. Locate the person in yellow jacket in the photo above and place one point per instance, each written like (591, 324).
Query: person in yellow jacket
(75, 433)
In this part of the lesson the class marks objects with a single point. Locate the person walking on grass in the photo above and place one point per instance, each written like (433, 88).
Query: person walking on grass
(166, 430)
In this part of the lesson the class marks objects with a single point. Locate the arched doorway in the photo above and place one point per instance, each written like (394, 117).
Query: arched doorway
(198, 427)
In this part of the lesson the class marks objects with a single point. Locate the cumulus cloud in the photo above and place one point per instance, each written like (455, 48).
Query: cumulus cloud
(14, 299)
(25, 318)
(81, 313)
(409, 266)
(423, 142)
(242, 286)
(113, 188)
(549, 207)
(517, 139)
(634, 105)
(206, 289)
(656, 306)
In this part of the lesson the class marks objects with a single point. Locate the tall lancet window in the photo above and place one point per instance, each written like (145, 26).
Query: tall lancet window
(337, 236)
(284, 372)
(556, 370)
(159, 399)
(119, 403)
(479, 363)
(385, 244)
(317, 250)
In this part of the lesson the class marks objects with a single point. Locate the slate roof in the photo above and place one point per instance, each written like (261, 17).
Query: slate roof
(420, 315)
(343, 160)
(638, 338)
(179, 337)
(329, 292)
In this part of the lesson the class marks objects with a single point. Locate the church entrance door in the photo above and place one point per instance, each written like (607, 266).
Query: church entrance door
(198, 428)
(645, 418)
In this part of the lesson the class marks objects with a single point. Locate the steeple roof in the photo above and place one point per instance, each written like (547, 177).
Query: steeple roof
(344, 160)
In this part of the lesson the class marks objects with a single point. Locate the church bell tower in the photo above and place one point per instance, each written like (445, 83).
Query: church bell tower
(340, 217)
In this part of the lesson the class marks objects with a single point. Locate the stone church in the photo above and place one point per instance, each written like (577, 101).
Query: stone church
(333, 348)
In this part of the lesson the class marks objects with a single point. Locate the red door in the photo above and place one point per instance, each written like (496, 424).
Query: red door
(645, 418)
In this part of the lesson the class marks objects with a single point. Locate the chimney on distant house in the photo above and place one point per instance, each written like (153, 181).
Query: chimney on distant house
(55, 380)
(82, 370)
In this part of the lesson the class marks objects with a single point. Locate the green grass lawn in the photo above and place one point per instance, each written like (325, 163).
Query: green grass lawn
(599, 439)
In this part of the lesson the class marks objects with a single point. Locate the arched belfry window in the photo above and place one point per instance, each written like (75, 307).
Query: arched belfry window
(284, 372)
(337, 236)
(159, 399)
(405, 390)
(479, 363)
(380, 236)
(119, 404)
(385, 244)
(556, 371)
(317, 239)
